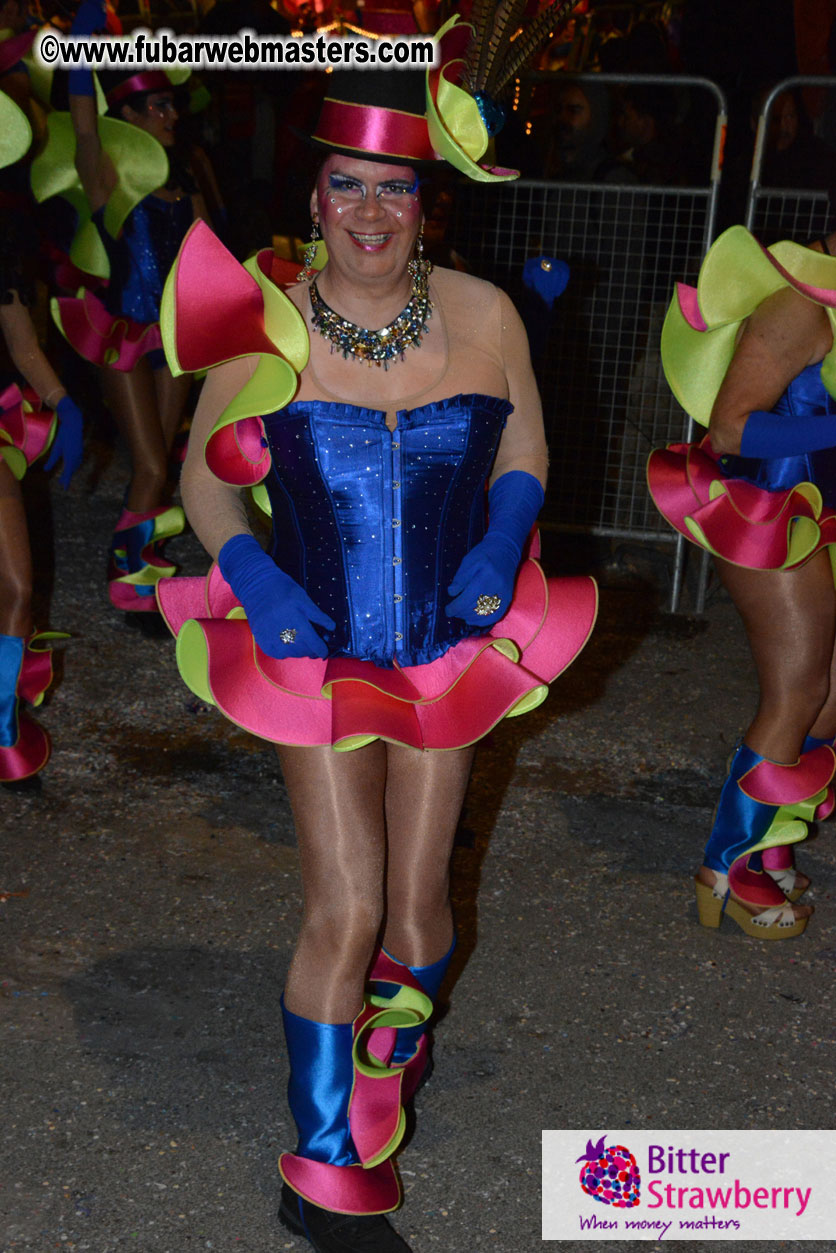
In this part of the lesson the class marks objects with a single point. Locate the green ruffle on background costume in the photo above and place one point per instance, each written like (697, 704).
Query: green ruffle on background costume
(141, 167)
(15, 131)
(735, 277)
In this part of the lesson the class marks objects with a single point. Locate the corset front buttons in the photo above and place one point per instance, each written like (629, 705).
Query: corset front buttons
(398, 599)
(396, 561)
(398, 635)
(396, 522)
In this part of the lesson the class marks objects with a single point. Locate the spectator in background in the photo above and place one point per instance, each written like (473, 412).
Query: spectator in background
(645, 133)
(794, 155)
(577, 148)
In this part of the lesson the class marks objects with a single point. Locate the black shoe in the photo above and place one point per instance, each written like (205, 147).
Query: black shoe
(338, 1233)
(32, 785)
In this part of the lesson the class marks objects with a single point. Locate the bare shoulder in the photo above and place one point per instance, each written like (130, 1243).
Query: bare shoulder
(297, 293)
(471, 301)
(787, 322)
(464, 288)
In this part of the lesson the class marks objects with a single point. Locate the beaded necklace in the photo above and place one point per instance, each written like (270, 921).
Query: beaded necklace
(376, 347)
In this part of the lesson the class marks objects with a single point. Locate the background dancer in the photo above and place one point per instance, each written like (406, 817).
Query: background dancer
(34, 419)
(120, 332)
(750, 353)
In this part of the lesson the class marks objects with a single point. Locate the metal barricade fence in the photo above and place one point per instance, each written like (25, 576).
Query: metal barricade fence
(797, 213)
(605, 399)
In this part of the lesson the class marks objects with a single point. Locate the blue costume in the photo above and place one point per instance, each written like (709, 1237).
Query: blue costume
(374, 523)
(142, 256)
(805, 397)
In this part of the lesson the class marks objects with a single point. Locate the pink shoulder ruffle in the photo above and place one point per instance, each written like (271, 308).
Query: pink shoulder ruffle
(448, 703)
(102, 337)
(215, 310)
(738, 521)
(231, 322)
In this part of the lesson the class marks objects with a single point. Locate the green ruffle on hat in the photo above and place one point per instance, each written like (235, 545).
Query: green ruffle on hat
(140, 162)
(15, 131)
(455, 121)
(451, 111)
(702, 324)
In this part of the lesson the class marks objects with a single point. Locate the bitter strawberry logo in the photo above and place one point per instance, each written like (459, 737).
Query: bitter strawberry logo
(610, 1174)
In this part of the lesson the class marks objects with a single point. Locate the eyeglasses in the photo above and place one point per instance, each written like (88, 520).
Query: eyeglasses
(345, 187)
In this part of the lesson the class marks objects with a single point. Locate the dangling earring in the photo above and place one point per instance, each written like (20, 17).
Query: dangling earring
(309, 255)
(419, 267)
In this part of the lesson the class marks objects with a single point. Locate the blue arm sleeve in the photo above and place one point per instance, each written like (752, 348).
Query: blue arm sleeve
(773, 435)
(90, 17)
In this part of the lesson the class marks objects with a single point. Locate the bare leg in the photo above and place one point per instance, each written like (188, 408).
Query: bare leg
(15, 559)
(825, 725)
(790, 618)
(424, 796)
(337, 801)
(132, 399)
(172, 394)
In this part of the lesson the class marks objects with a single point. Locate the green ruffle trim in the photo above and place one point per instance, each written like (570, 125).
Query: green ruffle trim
(15, 131)
(736, 276)
(141, 165)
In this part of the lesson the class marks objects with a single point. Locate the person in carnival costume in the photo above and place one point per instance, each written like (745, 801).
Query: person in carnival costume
(133, 215)
(750, 353)
(35, 419)
(389, 626)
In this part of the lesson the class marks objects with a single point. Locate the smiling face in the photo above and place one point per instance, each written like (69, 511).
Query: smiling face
(369, 214)
(158, 117)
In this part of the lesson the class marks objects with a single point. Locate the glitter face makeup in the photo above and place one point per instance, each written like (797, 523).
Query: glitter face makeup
(370, 213)
(158, 117)
(354, 189)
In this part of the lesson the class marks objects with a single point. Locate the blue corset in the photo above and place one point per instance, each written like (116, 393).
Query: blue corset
(374, 523)
(805, 396)
(142, 256)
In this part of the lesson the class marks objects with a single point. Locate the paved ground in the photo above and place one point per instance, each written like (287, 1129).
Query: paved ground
(152, 895)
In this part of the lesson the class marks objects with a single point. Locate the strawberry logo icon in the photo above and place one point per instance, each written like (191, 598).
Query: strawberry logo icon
(610, 1174)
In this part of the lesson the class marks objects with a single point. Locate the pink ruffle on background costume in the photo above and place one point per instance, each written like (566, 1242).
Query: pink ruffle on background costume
(740, 522)
(26, 428)
(102, 337)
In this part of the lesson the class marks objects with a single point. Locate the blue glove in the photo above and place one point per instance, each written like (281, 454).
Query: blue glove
(90, 17)
(275, 604)
(488, 572)
(69, 440)
(773, 435)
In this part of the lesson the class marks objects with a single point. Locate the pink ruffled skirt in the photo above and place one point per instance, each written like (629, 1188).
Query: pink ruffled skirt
(736, 520)
(346, 703)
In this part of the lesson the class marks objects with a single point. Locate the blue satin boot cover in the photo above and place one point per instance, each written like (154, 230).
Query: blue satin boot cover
(321, 1079)
(739, 821)
(11, 659)
(813, 741)
(431, 978)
